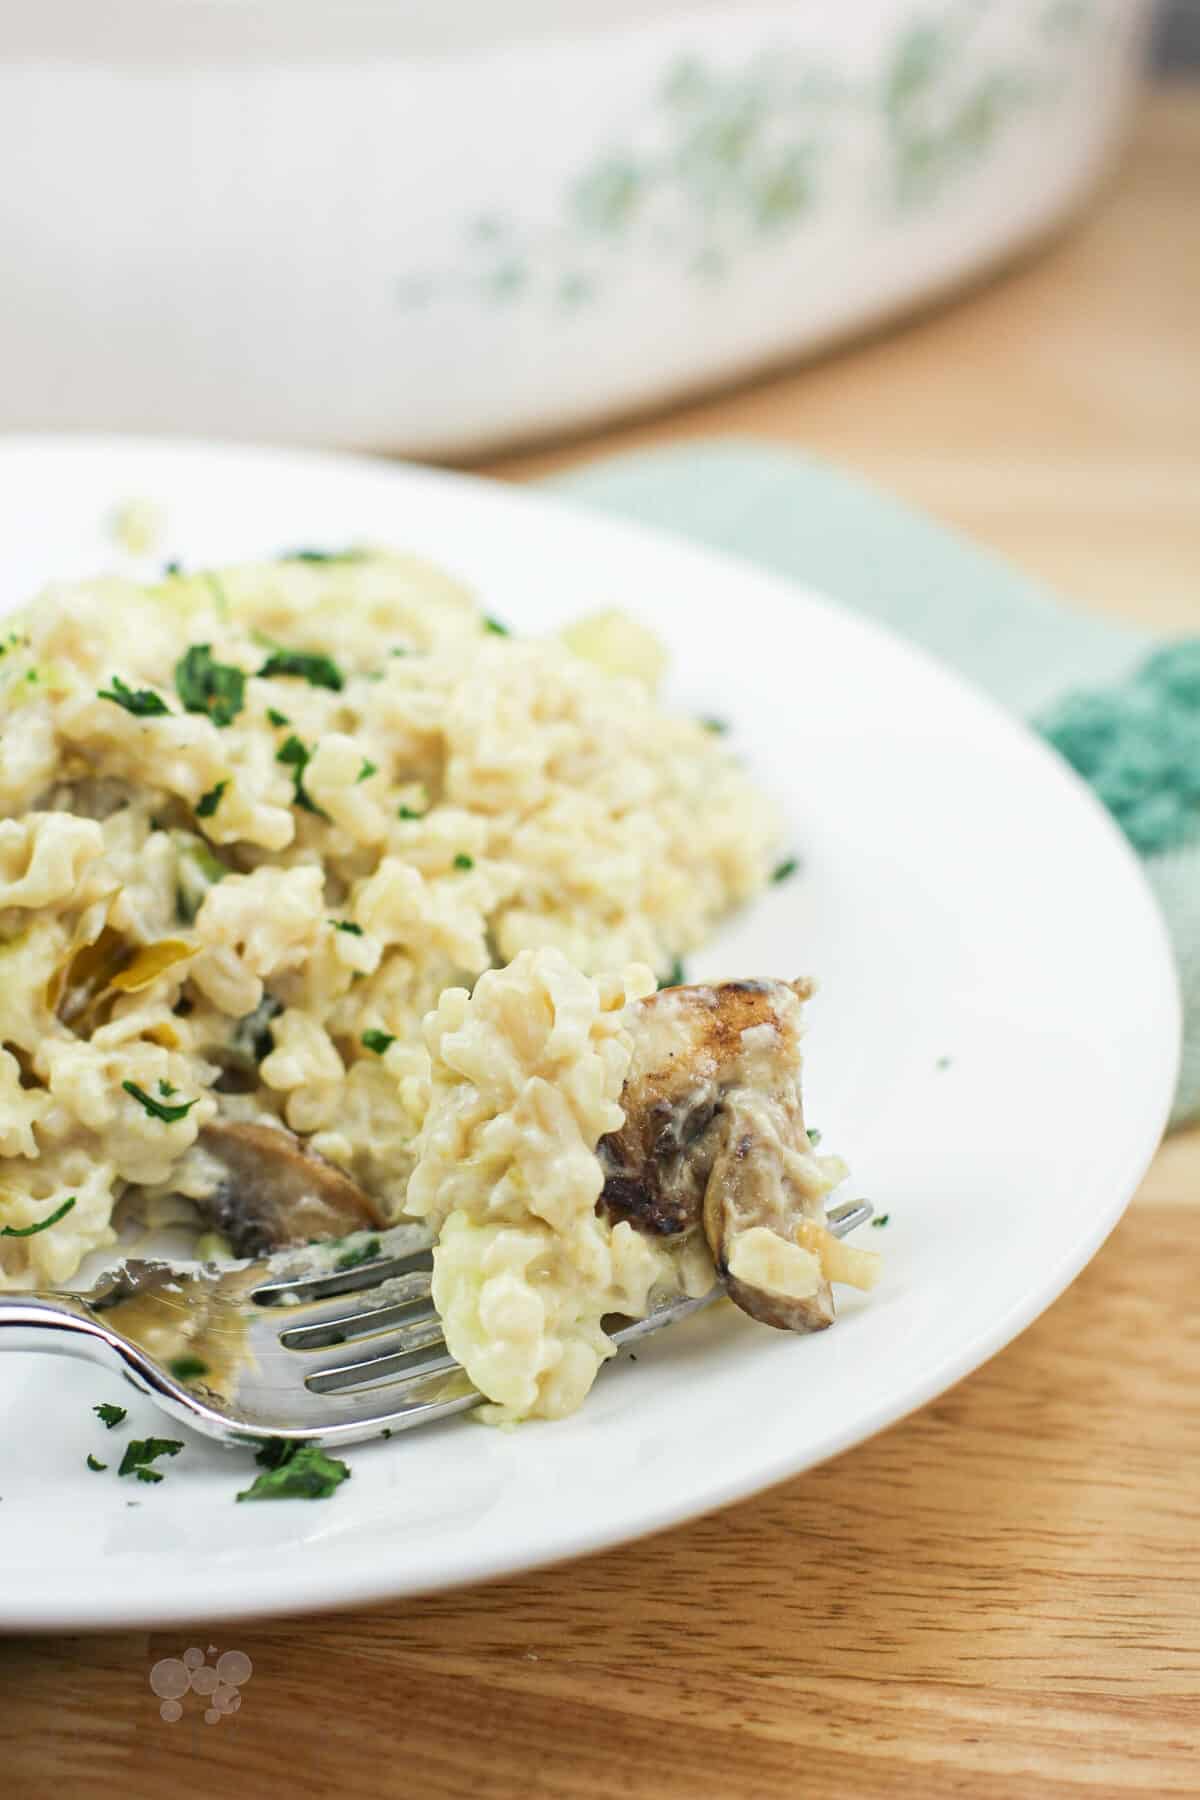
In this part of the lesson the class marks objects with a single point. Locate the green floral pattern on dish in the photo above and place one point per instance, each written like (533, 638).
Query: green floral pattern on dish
(718, 161)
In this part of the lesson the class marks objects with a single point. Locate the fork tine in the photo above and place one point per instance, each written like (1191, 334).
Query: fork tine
(301, 1290)
(401, 1359)
(847, 1217)
(410, 1353)
(319, 1325)
(352, 1329)
(432, 1392)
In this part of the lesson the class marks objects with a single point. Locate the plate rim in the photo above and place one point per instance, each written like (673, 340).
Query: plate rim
(340, 1583)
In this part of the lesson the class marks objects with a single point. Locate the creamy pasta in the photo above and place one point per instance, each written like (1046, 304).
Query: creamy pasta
(256, 824)
(527, 1075)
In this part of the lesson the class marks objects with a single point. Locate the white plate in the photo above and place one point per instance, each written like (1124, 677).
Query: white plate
(962, 897)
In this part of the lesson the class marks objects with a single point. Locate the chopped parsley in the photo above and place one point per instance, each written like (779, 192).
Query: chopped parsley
(108, 1414)
(187, 1368)
(24, 1231)
(155, 1108)
(463, 861)
(347, 925)
(166, 1090)
(880, 1220)
(782, 870)
(208, 803)
(406, 812)
(361, 1253)
(378, 1041)
(216, 689)
(276, 717)
(309, 665)
(675, 976)
(140, 1452)
(295, 1472)
(368, 769)
(297, 757)
(323, 556)
(814, 1136)
(252, 1034)
(943, 1062)
(717, 726)
(94, 1465)
(496, 626)
(173, 568)
(143, 703)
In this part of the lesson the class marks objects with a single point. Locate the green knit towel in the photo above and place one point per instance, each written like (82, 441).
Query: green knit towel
(1127, 718)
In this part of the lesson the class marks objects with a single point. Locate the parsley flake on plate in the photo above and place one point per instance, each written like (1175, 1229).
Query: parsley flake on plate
(143, 703)
(141, 1452)
(94, 1465)
(295, 1472)
(24, 1231)
(155, 1108)
(782, 870)
(497, 627)
(216, 689)
(109, 1415)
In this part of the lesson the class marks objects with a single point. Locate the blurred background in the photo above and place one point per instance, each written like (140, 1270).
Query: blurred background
(367, 226)
(951, 244)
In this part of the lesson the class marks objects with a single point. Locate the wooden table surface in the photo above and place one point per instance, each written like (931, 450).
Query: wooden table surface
(998, 1597)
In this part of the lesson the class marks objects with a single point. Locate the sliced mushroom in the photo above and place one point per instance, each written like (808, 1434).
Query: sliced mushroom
(714, 1141)
(272, 1190)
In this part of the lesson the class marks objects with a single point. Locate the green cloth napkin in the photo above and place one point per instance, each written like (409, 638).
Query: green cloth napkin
(1127, 717)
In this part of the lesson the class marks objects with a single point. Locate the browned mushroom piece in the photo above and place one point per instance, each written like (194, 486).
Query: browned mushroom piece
(274, 1191)
(714, 1140)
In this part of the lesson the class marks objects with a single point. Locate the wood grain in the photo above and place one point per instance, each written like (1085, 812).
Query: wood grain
(998, 1597)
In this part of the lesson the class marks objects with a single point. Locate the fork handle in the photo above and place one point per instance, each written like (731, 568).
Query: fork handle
(60, 1325)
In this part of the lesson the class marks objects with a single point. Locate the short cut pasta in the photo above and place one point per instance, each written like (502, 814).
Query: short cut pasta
(257, 822)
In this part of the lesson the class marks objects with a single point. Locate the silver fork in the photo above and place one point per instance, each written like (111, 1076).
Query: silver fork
(294, 1347)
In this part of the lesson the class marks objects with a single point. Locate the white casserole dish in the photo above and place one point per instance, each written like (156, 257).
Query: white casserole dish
(365, 225)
